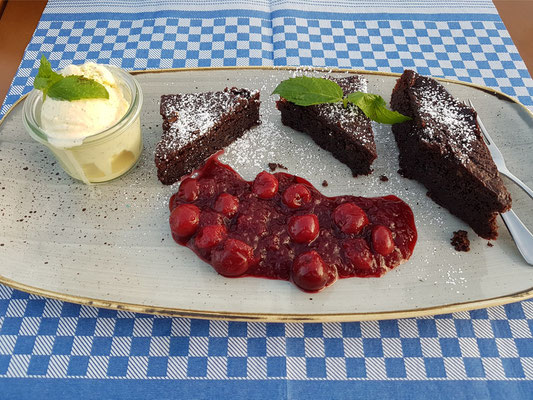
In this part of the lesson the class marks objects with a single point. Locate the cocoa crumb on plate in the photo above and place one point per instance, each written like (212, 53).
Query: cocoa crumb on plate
(274, 166)
(460, 241)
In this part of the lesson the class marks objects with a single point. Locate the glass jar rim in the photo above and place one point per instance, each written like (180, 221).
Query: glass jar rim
(129, 116)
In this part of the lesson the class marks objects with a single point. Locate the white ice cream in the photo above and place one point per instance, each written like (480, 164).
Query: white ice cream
(67, 123)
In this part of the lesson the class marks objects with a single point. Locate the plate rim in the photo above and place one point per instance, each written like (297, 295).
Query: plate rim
(270, 317)
(280, 317)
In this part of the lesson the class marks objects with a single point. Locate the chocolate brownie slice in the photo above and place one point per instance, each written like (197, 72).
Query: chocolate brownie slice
(196, 125)
(443, 148)
(345, 132)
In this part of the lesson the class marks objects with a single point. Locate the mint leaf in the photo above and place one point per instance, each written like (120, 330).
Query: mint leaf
(375, 108)
(46, 77)
(306, 91)
(75, 87)
(72, 87)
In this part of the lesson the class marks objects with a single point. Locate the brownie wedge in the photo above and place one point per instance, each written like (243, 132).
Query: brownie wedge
(442, 147)
(345, 132)
(196, 125)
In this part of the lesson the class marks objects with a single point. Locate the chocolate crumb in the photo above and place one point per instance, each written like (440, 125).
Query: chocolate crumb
(490, 244)
(383, 178)
(460, 241)
(325, 183)
(83, 209)
(274, 166)
(25, 168)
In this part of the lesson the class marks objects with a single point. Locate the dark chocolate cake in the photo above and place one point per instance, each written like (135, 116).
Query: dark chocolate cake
(443, 148)
(196, 125)
(345, 132)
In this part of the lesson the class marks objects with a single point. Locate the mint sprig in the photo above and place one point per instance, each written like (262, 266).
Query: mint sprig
(306, 91)
(75, 87)
(69, 88)
(46, 77)
(375, 108)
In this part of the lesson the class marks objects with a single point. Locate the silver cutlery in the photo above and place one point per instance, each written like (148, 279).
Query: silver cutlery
(498, 157)
(519, 232)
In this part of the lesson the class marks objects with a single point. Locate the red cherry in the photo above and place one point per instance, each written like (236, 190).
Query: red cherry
(227, 204)
(350, 218)
(309, 271)
(296, 195)
(189, 189)
(303, 228)
(265, 185)
(184, 220)
(358, 253)
(382, 240)
(210, 236)
(173, 202)
(234, 259)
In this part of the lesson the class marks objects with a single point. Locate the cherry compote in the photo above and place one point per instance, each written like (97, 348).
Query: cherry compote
(279, 226)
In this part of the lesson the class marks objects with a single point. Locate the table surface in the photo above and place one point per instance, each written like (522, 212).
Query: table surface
(57, 348)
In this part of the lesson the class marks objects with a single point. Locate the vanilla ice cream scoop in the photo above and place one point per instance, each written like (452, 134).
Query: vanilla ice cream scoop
(94, 139)
(67, 123)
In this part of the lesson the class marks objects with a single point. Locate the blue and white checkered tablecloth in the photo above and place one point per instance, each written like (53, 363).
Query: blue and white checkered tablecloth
(60, 350)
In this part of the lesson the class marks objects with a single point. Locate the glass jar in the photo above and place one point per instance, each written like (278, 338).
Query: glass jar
(105, 155)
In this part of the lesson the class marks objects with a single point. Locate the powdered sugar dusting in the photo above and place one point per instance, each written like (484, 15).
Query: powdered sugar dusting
(444, 113)
(192, 115)
(189, 124)
(350, 118)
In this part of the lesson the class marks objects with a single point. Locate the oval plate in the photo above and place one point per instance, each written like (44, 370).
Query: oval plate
(110, 246)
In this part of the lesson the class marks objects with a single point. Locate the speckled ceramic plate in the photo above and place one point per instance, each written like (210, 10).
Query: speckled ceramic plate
(109, 245)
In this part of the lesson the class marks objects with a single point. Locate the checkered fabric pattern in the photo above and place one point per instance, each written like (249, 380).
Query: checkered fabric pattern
(46, 338)
(481, 51)
(42, 337)
(477, 50)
